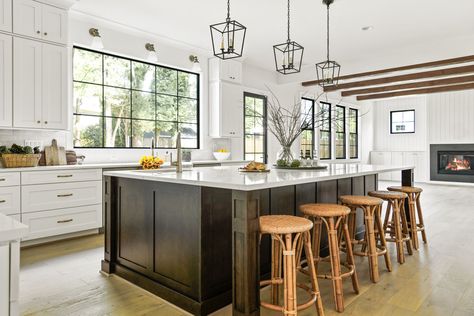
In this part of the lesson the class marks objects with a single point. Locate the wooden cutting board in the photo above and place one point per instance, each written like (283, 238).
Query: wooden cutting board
(55, 155)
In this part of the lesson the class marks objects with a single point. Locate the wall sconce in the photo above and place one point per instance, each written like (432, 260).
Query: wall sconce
(152, 54)
(196, 65)
(96, 39)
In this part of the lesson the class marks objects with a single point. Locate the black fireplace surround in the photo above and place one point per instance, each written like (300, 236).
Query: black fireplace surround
(452, 162)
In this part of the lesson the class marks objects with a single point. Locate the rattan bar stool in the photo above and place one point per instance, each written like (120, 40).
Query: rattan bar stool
(414, 209)
(371, 207)
(287, 232)
(397, 227)
(334, 217)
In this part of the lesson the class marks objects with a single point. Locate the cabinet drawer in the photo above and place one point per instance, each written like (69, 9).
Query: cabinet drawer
(63, 221)
(10, 200)
(60, 176)
(9, 179)
(16, 217)
(43, 197)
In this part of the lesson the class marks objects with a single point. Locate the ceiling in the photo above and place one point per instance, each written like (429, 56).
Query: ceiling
(397, 23)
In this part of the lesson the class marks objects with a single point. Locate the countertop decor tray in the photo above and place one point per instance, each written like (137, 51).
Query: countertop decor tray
(254, 171)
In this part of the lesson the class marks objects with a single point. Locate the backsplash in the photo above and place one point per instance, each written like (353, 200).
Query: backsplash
(9, 137)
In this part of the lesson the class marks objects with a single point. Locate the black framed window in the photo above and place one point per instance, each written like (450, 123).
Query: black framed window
(255, 127)
(340, 141)
(325, 131)
(125, 103)
(353, 133)
(402, 122)
(307, 137)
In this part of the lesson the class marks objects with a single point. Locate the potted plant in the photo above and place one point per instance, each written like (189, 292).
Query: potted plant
(18, 156)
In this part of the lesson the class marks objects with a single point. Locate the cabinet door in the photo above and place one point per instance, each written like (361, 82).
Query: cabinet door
(232, 113)
(6, 15)
(397, 160)
(416, 159)
(54, 24)
(6, 77)
(381, 158)
(54, 87)
(5, 275)
(27, 83)
(27, 18)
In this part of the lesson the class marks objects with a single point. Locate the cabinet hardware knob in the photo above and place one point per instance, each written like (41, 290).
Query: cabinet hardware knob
(3, 179)
(45, 33)
(64, 175)
(39, 122)
(65, 221)
(38, 32)
(65, 195)
(45, 122)
(2, 201)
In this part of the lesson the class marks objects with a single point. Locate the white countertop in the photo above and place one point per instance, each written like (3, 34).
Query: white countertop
(112, 165)
(229, 177)
(11, 229)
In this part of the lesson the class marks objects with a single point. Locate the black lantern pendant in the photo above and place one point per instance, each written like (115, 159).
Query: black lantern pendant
(328, 71)
(288, 55)
(228, 37)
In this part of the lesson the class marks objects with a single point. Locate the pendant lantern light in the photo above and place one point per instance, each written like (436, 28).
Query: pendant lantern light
(288, 55)
(328, 71)
(228, 37)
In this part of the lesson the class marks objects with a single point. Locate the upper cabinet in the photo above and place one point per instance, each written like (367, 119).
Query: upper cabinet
(39, 81)
(6, 76)
(6, 15)
(40, 21)
(225, 70)
(227, 110)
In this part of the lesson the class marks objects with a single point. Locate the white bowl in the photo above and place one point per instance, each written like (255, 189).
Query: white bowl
(221, 156)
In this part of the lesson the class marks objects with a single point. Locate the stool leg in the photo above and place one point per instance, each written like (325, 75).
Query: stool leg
(387, 216)
(406, 232)
(317, 241)
(352, 226)
(413, 230)
(335, 265)
(378, 223)
(420, 218)
(398, 232)
(370, 239)
(350, 257)
(276, 270)
(312, 272)
(289, 278)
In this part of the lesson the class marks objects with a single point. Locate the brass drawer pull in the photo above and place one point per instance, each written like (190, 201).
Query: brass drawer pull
(65, 221)
(3, 179)
(64, 176)
(65, 195)
(2, 201)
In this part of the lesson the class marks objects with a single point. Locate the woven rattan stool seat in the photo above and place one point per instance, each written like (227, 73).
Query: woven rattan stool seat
(388, 195)
(360, 200)
(405, 189)
(284, 224)
(324, 210)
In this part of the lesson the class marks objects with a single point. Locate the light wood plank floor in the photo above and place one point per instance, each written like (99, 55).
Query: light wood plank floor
(63, 279)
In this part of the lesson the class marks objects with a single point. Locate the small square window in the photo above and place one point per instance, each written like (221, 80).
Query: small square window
(402, 122)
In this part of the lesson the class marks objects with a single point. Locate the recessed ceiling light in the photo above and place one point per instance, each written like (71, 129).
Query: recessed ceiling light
(368, 28)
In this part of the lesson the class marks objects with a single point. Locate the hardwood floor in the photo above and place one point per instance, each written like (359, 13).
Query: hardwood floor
(63, 278)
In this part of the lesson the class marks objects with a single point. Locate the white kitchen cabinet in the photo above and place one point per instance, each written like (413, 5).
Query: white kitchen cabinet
(398, 158)
(6, 77)
(382, 158)
(40, 21)
(225, 70)
(5, 277)
(39, 85)
(10, 200)
(416, 159)
(6, 15)
(226, 110)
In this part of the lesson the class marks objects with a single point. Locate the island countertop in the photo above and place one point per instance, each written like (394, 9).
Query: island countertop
(229, 177)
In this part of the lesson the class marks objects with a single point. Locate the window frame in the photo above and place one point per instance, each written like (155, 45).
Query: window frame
(131, 90)
(326, 131)
(401, 111)
(344, 132)
(264, 121)
(356, 133)
(312, 129)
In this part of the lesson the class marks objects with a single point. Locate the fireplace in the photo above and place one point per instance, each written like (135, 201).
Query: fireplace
(452, 162)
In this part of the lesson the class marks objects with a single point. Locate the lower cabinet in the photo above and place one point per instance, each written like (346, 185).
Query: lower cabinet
(407, 158)
(62, 221)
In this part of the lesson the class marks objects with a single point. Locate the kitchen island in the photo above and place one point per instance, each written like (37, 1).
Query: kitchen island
(192, 238)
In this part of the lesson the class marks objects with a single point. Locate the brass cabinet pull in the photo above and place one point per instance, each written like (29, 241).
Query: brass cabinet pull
(64, 175)
(3, 179)
(65, 221)
(2, 201)
(65, 195)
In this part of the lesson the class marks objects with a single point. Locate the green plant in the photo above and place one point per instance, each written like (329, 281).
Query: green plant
(281, 163)
(20, 150)
(295, 164)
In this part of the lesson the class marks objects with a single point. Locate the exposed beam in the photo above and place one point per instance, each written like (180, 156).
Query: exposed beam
(421, 84)
(413, 76)
(444, 62)
(459, 87)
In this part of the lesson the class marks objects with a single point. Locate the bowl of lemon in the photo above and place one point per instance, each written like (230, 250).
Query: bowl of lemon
(221, 154)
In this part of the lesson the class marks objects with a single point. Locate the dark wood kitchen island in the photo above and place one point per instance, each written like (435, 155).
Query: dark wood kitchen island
(192, 238)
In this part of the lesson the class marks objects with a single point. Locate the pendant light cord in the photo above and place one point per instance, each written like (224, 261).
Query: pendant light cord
(228, 10)
(328, 31)
(289, 21)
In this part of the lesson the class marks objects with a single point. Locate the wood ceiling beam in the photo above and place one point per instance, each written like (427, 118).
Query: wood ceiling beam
(460, 87)
(413, 76)
(445, 62)
(414, 85)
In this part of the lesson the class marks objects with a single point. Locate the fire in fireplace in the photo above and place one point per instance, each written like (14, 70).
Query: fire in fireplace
(452, 162)
(456, 162)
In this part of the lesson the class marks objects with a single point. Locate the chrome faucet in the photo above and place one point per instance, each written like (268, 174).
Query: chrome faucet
(153, 147)
(179, 154)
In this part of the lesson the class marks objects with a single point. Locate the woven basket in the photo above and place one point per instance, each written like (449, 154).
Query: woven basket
(19, 160)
